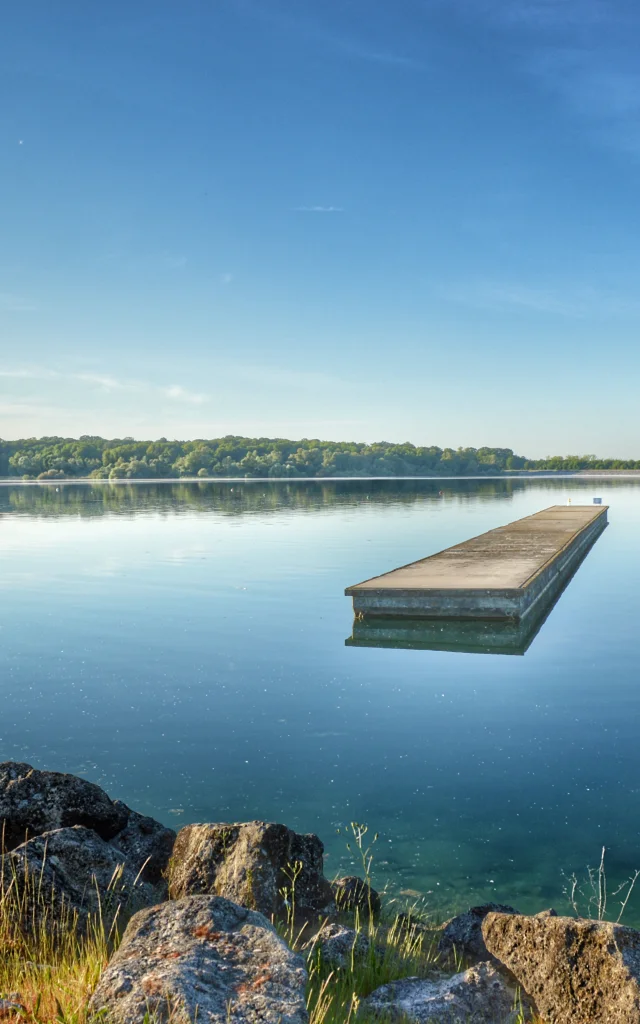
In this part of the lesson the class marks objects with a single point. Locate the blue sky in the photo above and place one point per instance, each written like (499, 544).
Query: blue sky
(349, 219)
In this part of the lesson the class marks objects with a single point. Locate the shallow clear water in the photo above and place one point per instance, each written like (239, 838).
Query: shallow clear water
(184, 646)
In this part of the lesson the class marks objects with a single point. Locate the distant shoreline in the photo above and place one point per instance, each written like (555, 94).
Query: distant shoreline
(542, 474)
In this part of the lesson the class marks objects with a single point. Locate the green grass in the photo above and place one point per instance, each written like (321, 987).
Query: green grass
(54, 970)
(51, 964)
(396, 950)
(47, 960)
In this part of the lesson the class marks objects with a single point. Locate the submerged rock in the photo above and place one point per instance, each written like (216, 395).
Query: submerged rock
(577, 971)
(253, 864)
(481, 995)
(73, 870)
(339, 946)
(352, 893)
(33, 802)
(463, 934)
(202, 958)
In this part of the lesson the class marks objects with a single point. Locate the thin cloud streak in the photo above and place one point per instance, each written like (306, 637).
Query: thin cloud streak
(579, 303)
(180, 394)
(108, 383)
(579, 52)
(334, 41)
(318, 209)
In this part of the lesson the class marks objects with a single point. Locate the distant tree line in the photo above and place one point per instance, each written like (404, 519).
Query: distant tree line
(49, 458)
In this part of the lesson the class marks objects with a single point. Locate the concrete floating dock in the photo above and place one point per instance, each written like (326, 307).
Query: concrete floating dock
(502, 574)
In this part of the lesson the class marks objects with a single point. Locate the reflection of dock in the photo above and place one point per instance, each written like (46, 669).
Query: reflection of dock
(479, 636)
(505, 574)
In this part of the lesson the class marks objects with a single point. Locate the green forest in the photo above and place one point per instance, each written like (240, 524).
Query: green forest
(49, 458)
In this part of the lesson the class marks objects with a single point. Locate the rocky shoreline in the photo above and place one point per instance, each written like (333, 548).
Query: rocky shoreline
(224, 921)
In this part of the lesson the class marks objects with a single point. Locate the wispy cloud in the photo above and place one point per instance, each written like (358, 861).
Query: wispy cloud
(179, 394)
(330, 37)
(548, 14)
(318, 209)
(359, 50)
(583, 52)
(576, 303)
(27, 374)
(107, 383)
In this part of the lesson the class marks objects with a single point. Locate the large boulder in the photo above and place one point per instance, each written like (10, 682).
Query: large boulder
(33, 802)
(202, 958)
(72, 871)
(146, 844)
(481, 995)
(260, 865)
(352, 893)
(463, 934)
(577, 971)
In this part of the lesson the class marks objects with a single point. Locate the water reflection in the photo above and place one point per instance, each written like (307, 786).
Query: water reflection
(464, 636)
(250, 496)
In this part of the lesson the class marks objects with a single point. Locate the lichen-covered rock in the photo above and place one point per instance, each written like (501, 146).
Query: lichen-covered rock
(202, 958)
(480, 995)
(33, 802)
(73, 870)
(352, 893)
(146, 844)
(577, 971)
(463, 934)
(253, 864)
(339, 946)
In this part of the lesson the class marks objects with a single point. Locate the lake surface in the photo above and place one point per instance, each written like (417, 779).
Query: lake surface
(183, 645)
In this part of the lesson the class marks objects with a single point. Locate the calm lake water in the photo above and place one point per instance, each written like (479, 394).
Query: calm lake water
(184, 646)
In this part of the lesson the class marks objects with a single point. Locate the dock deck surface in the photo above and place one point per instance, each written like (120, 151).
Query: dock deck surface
(501, 572)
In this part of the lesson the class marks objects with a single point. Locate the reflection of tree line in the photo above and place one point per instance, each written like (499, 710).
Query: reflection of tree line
(238, 498)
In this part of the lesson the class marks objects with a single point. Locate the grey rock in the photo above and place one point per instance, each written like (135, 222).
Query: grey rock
(577, 971)
(202, 958)
(352, 893)
(11, 1007)
(480, 995)
(338, 946)
(146, 844)
(73, 870)
(251, 863)
(463, 934)
(33, 802)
